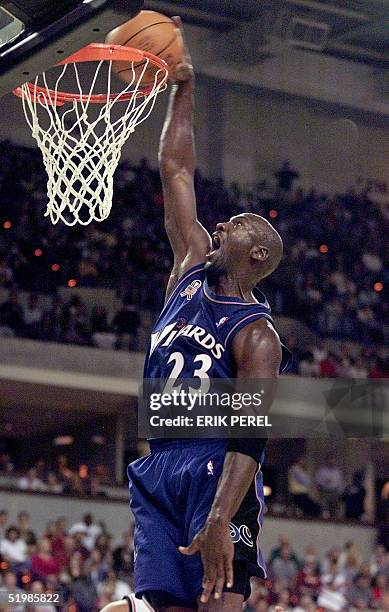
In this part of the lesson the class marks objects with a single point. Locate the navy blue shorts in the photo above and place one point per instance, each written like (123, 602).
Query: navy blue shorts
(172, 491)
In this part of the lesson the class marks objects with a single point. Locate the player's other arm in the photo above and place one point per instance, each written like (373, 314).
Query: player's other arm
(177, 161)
(257, 353)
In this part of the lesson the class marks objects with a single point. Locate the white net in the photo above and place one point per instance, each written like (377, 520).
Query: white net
(81, 141)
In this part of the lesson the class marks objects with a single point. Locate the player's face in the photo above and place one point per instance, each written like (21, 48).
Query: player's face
(231, 243)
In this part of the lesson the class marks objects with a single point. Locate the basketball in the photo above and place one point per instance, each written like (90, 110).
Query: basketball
(149, 31)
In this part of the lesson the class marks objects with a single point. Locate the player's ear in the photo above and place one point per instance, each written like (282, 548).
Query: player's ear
(259, 253)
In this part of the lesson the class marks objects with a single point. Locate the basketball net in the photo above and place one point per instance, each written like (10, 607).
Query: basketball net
(81, 152)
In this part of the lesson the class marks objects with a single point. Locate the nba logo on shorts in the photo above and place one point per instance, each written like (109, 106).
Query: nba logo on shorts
(191, 289)
(210, 468)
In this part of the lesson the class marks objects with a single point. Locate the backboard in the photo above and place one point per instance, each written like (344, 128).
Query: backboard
(37, 34)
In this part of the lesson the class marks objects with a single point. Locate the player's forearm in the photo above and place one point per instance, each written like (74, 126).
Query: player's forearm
(238, 473)
(177, 150)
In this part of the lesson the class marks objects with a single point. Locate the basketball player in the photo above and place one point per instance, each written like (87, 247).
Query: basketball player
(198, 503)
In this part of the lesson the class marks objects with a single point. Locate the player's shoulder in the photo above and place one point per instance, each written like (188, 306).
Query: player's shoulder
(260, 331)
(257, 350)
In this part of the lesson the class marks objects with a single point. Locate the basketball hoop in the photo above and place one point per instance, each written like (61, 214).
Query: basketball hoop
(81, 152)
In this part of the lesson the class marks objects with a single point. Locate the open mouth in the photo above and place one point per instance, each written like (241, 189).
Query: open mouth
(216, 243)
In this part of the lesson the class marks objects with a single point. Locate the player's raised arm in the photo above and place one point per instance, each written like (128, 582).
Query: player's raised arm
(177, 161)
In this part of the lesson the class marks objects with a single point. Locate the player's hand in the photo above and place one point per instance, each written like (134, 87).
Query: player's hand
(214, 543)
(184, 70)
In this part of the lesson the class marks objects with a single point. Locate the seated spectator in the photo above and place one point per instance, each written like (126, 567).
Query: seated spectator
(319, 351)
(82, 590)
(89, 529)
(118, 588)
(6, 273)
(52, 483)
(354, 497)
(126, 323)
(276, 552)
(331, 599)
(308, 579)
(286, 175)
(31, 482)
(308, 367)
(379, 587)
(360, 594)
(8, 587)
(76, 321)
(356, 369)
(329, 480)
(41, 468)
(123, 555)
(282, 602)
(43, 563)
(3, 522)
(349, 562)
(11, 315)
(98, 569)
(329, 366)
(88, 272)
(37, 588)
(379, 561)
(284, 565)
(24, 526)
(98, 320)
(14, 549)
(53, 323)
(301, 488)
(66, 477)
(103, 544)
(307, 604)
(32, 318)
(102, 336)
(6, 464)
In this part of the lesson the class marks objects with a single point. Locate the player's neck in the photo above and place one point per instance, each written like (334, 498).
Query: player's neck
(231, 286)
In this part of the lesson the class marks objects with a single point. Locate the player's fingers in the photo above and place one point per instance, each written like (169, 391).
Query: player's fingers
(191, 549)
(208, 586)
(177, 21)
(183, 72)
(209, 580)
(220, 581)
(229, 573)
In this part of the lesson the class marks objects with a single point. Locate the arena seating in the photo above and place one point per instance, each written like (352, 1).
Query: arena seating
(332, 278)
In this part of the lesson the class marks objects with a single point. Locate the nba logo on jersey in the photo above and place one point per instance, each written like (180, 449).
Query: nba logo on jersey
(191, 289)
(210, 470)
(222, 321)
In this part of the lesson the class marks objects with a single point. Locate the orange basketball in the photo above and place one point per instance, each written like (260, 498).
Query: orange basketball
(148, 31)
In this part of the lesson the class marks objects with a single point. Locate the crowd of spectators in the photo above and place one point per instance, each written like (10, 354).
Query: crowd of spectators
(332, 276)
(311, 490)
(61, 477)
(79, 563)
(324, 359)
(324, 492)
(83, 565)
(70, 322)
(340, 581)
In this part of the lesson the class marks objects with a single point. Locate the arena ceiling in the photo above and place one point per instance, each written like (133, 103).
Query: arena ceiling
(354, 29)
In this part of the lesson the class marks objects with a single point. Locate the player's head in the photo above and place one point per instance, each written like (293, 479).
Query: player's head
(247, 244)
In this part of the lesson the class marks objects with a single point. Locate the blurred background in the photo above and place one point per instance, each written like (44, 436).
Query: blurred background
(292, 122)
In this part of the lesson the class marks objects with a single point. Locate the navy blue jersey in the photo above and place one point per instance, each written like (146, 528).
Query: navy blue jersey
(194, 332)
